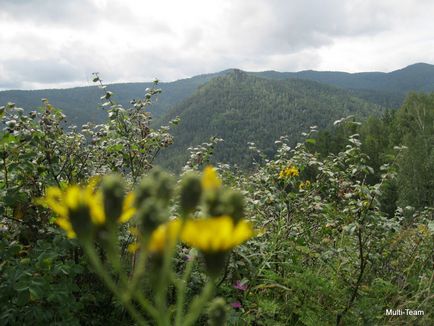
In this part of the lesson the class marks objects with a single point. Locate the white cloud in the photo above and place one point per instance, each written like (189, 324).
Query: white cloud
(49, 43)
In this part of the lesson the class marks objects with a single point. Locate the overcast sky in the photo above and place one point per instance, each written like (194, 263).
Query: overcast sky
(59, 43)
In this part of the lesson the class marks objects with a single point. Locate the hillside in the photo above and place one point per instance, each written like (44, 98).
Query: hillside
(241, 108)
(81, 103)
(387, 89)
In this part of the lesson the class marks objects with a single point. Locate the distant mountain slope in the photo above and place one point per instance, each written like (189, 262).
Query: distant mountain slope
(387, 89)
(416, 77)
(241, 108)
(81, 104)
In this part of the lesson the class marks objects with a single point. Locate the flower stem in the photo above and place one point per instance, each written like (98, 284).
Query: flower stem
(181, 292)
(199, 303)
(100, 270)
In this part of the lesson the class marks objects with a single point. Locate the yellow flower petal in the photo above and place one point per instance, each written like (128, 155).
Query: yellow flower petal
(165, 235)
(65, 224)
(96, 206)
(216, 234)
(128, 209)
(73, 197)
(53, 199)
(210, 179)
(133, 247)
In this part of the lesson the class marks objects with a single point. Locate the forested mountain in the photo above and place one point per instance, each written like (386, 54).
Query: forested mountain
(387, 89)
(241, 108)
(80, 104)
(417, 77)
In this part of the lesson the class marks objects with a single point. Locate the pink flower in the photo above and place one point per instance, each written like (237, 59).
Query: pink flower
(236, 305)
(239, 285)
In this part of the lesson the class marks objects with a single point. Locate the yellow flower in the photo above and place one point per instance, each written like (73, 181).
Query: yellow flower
(128, 209)
(133, 247)
(216, 234)
(73, 199)
(289, 171)
(81, 200)
(304, 185)
(210, 179)
(164, 235)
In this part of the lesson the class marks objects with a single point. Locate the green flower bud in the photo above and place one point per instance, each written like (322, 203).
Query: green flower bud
(144, 191)
(164, 185)
(234, 204)
(217, 312)
(157, 184)
(151, 214)
(190, 193)
(113, 192)
(82, 223)
(213, 203)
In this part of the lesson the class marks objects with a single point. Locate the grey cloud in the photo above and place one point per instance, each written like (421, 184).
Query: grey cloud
(288, 26)
(41, 71)
(80, 14)
(48, 11)
(138, 45)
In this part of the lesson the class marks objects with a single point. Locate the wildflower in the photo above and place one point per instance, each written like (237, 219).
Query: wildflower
(288, 172)
(304, 185)
(236, 305)
(133, 247)
(210, 179)
(128, 209)
(215, 237)
(218, 234)
(79, 209)
(165, 235)
(240, 285)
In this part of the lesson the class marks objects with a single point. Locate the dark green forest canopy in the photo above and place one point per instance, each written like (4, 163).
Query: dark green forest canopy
(240, 108)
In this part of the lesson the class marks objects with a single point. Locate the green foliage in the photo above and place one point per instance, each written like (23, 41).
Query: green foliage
(411, 127)
(329, 254)
(49, 283)
(38, 150)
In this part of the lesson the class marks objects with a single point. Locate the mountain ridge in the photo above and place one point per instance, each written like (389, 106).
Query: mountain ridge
(80, 104)
(242, 108)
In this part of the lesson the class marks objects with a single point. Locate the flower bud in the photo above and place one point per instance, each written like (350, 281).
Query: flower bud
(217, 312)
(157, 184)
(113, 193)
(190, 193)
(164, 184)
(213, 203)
(81, 222)
(234, 205)
(151, 214)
